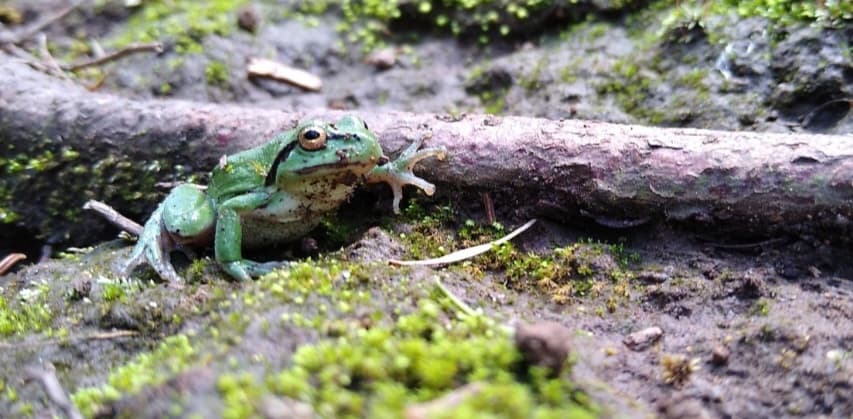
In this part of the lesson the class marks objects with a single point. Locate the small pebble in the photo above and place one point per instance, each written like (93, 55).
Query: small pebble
(248, 19)
(382, 59)
(545, 344)
(641, 340)
(720, 355)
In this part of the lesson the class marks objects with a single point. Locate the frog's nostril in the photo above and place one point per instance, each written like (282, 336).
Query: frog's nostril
(342, 154)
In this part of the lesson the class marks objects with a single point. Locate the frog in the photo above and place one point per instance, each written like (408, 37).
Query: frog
(276, 192)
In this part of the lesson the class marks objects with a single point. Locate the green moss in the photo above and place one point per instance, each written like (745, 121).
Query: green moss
(695, 80)
(377, 372)
(533, 80)
(630, 88)
(52, 182)
(566, 273)
(761, 307)
(8, 216)
(427, 238)
(23, 318)
(165, 88)
(787, 12)
(493, 101)
(216, 73)
(367, 22)
(682, 17)
(171, 357)
(239, 394)
(187, 22)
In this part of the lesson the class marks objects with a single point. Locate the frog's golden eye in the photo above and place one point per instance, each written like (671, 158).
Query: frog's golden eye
(312, 138)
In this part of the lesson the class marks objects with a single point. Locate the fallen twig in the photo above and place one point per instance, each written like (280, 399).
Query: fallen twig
(579, 172)
(53, 388)
(10, 260)
(115, 334)
(115, 55)
(114, 217)
(465, 253)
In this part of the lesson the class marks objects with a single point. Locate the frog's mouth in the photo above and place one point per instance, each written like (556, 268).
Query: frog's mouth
(343, 162)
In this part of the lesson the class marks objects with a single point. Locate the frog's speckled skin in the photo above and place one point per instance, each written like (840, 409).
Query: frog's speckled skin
(276, 192)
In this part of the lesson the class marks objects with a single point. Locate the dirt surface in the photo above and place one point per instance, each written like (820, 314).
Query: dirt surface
(748, 326)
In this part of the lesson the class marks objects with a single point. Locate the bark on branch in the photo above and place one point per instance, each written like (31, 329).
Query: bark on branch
(617, 175)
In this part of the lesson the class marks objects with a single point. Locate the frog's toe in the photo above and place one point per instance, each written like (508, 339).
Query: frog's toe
(411, 158)
(245, 270)
(156, 256)
(407, 178)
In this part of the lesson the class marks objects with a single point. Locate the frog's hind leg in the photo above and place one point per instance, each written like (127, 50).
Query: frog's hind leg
(153, 247)
(229, 238)
(185, 218)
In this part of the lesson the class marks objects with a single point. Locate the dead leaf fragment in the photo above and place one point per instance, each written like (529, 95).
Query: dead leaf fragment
(274, 70)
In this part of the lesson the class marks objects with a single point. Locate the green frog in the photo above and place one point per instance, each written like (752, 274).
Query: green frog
(273, 193)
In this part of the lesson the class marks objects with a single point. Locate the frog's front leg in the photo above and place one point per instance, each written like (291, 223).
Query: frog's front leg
(398, 173)
(229, 237)
(184, 218)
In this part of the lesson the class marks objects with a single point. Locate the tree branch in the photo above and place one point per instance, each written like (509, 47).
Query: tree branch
(616, 175)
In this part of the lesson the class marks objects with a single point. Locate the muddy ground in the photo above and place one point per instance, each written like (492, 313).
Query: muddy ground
(751, 326)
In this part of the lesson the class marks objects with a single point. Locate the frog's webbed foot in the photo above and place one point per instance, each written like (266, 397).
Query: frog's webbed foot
(398, 173)
(153, 248)
(245, 270)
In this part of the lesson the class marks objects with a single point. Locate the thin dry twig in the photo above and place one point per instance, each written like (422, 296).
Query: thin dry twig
(115, 55)
(47, 57)
(465, 253)
(10, 260)
(114, 217)
(57, 395)
(25, 57)
(115, 334)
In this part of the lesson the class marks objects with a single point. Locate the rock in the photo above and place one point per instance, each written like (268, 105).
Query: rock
(80, 288)
(248, 19)
(382, 59)
(643, 339)
(720, 355)
(544, 343)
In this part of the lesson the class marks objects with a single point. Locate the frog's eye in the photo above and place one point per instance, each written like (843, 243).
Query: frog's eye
(312, 138)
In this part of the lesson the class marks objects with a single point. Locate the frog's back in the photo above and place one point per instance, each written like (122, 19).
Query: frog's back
(246, 170)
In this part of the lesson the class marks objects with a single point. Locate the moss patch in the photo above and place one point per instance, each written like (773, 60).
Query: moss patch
(23, 318)
(216, 73)
(187, 22)
(368, 358)
(172, 356)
